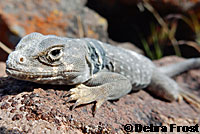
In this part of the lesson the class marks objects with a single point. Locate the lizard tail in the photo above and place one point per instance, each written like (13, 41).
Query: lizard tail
(177, 68)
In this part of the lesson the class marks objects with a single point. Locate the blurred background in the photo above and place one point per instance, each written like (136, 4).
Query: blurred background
(151, 27)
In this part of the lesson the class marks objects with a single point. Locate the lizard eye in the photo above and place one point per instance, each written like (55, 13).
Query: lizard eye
(55, 54)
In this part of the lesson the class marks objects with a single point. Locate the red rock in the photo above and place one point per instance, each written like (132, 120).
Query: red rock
(140, 108)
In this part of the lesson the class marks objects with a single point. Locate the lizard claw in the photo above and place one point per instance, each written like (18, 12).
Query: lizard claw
(191, 99)
(76, 104)
(68, 93)
(69, 99)
(97, 106)
(180, 98)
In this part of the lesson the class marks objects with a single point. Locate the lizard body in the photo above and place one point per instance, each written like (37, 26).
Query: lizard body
(100, 71)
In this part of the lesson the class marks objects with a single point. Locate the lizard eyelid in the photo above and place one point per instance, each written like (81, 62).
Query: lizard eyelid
(51, 56)
(55, 54)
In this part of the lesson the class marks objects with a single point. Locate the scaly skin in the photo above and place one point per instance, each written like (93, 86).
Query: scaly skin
(100, 71)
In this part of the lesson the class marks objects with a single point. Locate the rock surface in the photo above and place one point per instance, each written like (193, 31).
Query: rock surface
(64, 18)
(60, 17)
(30, 108)
(69, 18)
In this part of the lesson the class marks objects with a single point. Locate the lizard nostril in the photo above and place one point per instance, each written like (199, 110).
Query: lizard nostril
(21, 59)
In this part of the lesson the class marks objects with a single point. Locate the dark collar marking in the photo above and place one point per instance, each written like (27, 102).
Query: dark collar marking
(97, 55)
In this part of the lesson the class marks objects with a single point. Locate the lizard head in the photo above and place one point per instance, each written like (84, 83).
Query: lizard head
(49, 60)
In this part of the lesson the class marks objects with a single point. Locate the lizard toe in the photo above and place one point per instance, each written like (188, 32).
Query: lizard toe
(191, 99)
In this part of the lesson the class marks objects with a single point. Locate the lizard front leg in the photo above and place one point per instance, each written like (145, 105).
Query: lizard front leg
(101, 87)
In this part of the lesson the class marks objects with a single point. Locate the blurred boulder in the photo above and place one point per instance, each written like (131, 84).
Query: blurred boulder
(7, 37)
(2, 69)
(59, 17)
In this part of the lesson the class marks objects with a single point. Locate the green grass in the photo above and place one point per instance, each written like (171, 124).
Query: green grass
(164, 32)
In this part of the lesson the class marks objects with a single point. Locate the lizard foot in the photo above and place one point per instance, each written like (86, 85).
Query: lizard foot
(84, 94)
(191, 99)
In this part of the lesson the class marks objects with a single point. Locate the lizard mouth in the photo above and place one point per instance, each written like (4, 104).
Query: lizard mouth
(48, 77)
(27, 75)
(39, 77)
(59, 78)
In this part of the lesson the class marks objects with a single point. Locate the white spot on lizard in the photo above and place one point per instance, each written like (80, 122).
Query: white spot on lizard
(100, 42)
(120, 57)
(55, 69)
(69, 66)
(135, 54)
(111, 54)
(122, 73)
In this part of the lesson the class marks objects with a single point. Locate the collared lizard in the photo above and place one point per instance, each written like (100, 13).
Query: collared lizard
(99, 70)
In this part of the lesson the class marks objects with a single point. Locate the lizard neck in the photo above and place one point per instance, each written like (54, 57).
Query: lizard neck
(96, 56)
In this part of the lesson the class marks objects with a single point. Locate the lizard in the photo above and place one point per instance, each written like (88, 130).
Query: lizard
(99, 70)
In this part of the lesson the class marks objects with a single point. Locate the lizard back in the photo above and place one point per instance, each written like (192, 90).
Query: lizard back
(137, 68)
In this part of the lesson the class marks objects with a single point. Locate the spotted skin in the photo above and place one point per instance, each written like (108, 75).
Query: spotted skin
(100, 71)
